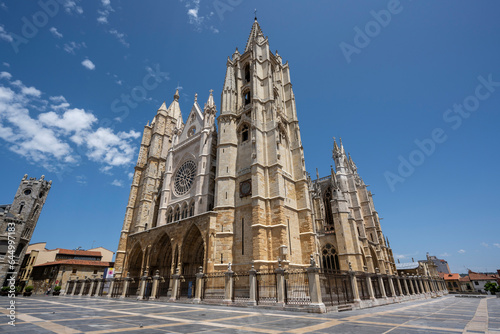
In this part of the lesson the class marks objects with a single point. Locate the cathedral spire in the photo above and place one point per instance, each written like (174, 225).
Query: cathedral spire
(255, 33)
(174, 110)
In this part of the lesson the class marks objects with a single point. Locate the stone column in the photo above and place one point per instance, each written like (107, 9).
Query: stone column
(99, 284)
(156, 285)
(228, 285)
(252, 277)
(80, 293)
(391, 286)
(411, 286)
(199, 285)
(381, 286)
(421, 285)
(66, 288)
(175, 285)
(142, 286)
(317, 304)
(111, 287)
(398, 279)
(126, 285)
(92, 283)
(369, 285)
(354, 286)
(280, 285)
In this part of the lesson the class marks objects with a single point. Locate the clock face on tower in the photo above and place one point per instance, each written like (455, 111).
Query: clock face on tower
(184, 177)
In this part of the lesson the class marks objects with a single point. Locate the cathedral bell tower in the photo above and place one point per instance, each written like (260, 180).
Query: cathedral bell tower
(261, 193)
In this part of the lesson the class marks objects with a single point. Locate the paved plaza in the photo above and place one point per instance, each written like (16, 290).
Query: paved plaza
(49, 314)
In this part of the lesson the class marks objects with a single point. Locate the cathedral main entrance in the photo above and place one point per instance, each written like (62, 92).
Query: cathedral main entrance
(193, 252)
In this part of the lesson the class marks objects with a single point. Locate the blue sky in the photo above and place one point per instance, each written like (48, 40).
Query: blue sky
(412, 87)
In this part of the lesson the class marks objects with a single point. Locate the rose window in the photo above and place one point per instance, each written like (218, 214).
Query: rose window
(184, 177)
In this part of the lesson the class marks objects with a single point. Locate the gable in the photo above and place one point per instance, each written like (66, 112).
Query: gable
(193, 125)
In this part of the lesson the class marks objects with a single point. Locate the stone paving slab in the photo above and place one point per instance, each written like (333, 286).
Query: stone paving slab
(47, 314)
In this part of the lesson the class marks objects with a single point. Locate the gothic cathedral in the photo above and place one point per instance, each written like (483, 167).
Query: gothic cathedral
(238, 195)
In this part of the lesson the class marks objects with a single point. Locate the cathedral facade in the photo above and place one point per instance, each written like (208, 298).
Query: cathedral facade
(238, 195)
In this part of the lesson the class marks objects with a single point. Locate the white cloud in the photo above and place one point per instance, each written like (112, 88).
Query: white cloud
(196, 18)
(497, 245)
(71, 6)
(4, 35)
(72, 46)
(117, 183)
(104, 12)
(484, 244)
(81, 179)
(51, 139)
(130, 175)
(31, 91)
(88, 64)
(5, 75)
(119, 36)
(461, 251)
(56, 33)
(6, 64)
(445, 254)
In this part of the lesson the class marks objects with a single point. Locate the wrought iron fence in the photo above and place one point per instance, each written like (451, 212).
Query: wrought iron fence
(297, 288)
(187, 286)
(71, 285)
(133, 288)
(376, 287)
(163, 287)
(94, 288)
(266, 287)
(117, 288)
(241, 287)
(213, 287)
(86, 288)
(387, 287)
(396, 286)
(364, 294)
(78, 287)
(336, 288)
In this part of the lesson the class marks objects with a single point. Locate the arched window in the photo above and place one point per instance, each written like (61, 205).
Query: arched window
(244, 133)
(327, 198)
(191, 210)
(177, 214)
(191, 131)
(184, 211)
(21, 207)
(247, 73)
(329, 258)
(169, 216)
(247, 97)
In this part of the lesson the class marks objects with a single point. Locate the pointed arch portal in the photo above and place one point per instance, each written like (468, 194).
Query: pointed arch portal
(161, 257)
(193, 251)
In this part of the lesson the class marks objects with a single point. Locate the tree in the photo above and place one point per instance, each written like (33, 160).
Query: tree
(491, 287)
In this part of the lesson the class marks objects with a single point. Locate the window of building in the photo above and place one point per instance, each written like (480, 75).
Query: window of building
(329, 258)
(169, 216)
(73, 271)
(244, 133)
(177, 214)
(184, 211)
(191, 131)
(476, 283)
(247, 73)
(327, 203)
(21, 208)
(95, 271)
(247, 98)
(191, 210)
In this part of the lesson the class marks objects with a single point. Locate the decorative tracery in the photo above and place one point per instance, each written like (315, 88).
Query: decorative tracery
(184, 177)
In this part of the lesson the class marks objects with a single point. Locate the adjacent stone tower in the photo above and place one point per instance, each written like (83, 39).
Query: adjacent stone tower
(144, 200)
(18, 221)
(261, 194)
(349, 231)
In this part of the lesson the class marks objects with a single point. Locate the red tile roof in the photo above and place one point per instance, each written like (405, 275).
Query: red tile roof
(451, 276)
(77, 262)
(464, 279)
(480, 277)
(77, 252)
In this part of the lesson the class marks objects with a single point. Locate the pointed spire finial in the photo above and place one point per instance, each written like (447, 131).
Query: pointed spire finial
(176, 95)
(317, 174)
(195, 97)
(255, 12)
